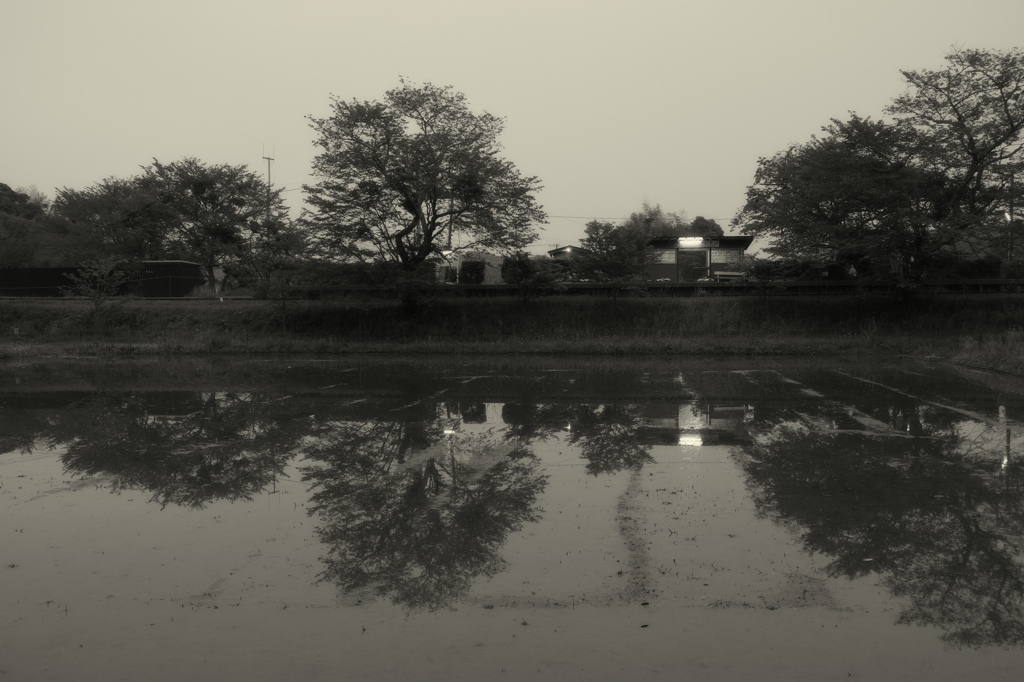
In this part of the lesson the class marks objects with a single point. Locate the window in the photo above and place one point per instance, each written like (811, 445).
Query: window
(725, 256)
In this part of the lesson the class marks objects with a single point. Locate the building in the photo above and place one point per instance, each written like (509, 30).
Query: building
(470, 267)
(565, 253)
(696, 259)
(170, 278)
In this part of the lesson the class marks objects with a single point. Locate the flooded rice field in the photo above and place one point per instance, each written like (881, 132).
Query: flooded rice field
(493, 519)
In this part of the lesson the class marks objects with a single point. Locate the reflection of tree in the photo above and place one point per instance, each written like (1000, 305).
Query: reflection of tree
(938, 521)
(19, 436)
(229, 446)
(22, 421)
(609, 438)
(529, 422)
(417, 523)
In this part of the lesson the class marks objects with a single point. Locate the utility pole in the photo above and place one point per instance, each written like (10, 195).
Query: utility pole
(268, 159)
(1009, 240)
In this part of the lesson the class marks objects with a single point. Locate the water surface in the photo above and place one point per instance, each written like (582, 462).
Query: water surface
(485, 518)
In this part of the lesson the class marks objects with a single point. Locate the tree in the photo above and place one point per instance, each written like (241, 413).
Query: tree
(401, 178)
(37, 198)
(612, 253)
(969, 120)
(98, 280)
(214, 209)
(28, 235)
(19, 204)
(893, 197)
(533, 275)
(118, 217)
(852, 197)
(704, 227)
(619, 253)
(215, 214)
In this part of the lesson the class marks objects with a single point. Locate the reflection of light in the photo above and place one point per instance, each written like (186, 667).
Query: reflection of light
(691, 440)
(691, 241)
(449, 432)
(568, 427)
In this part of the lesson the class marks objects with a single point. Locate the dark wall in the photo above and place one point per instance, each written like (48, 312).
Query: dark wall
(34, 281)
(170, 279)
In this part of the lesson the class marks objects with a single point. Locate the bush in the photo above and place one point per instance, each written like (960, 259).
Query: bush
(533, 275)
(472, 272)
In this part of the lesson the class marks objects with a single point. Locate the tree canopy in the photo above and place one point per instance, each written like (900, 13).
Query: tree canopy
(895, 198)
(19, 204)
(400, 179)
(17, 227)
(618, 253)
(215, 214)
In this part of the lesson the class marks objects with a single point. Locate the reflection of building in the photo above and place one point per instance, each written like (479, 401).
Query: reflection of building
(661, 423)
(692, 259)
(695, 424)
(463, 416)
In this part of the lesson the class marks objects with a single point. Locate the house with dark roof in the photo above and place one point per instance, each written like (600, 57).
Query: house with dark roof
(564, 253)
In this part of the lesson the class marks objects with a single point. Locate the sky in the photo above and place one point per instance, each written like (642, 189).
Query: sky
(610, 103)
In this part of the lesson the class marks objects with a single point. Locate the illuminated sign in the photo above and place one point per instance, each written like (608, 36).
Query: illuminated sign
(696, 243)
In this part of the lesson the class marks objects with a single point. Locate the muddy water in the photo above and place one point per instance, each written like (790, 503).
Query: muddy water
(500, 519)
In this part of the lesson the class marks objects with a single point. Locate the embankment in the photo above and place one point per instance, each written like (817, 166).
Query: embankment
(976, 330)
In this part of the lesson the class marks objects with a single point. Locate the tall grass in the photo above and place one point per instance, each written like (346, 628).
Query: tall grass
(547, 325)
(1001, 352)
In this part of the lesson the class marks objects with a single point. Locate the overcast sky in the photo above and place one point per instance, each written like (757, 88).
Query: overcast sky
(609, 103)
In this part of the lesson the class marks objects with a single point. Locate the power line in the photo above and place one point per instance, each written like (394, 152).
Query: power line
(594, 217)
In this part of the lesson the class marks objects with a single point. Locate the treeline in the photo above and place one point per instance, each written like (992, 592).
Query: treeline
(221, 216)
(933, 190)
(403, 184)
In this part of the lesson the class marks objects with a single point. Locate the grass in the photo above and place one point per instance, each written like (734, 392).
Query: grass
(1000, 352)
(976, 330)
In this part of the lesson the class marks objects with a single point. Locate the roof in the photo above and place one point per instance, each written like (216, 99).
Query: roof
(566, 249)
(724, 242)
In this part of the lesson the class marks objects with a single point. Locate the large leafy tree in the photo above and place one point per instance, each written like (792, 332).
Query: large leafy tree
(215, 210)
(893, 196)
(854, 196)
(215, 214)
(118, 217)
(400, 179)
